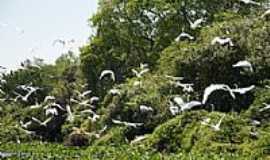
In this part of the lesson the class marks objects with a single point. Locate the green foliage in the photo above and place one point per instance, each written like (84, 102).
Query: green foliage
(143, 31)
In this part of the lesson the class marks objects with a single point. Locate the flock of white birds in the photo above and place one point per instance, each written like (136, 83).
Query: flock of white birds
(85, 100)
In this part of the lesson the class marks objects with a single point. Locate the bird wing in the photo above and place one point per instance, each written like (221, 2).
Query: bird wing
(210, 89)
(116, 121)
(192, 104)
(105, 72)
(86, 93)
(243, 90)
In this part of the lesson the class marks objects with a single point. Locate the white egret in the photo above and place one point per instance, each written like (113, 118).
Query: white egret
(94, 117)
(107, 72)
(222, 41)
(214, 87)
(216, 127)
(174, 78)
(83, 94)
(144, 108)
(187, 87)
(243, 90)
(94, 99)
(49, 98)
(267, 106)
(184, 35)
(250, 2)
(190, 105)
(179, 101)
(138, 139)
(115, 92)
(26, 124)
(85, 103)
(51, 111)
(196, 24)
(135, 125)
(35, 106)
(25, 97)
(243, 64)
(44, 123)
(255, 122)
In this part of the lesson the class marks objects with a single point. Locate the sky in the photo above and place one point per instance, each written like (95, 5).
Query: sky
(28, 28)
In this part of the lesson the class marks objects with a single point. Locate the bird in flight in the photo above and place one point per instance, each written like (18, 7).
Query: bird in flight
(243, 64)
(214, 87)
(222, 41)
(196, 24)
(107, 72)
(184, 35)
(216, 126)
(250, 2)
(135, 125)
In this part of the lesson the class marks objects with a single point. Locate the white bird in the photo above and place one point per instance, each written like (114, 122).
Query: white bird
(187, 87)
(174, 78)
(49, 98)
(25, 97)
(84, 93)
(214, 87)
(54, 105)
(35, 106)
(143, 66)
(144, 108)
(85, 103)
(267, 106)
(243, 64)
(140, 73)
(51, 111)
(174, 109)
(115, 92)
(94, 99)
(107, 72)
(216, 127)
(265, 14)
(179, 101)
(94, 117)
(135, 125)
(190, 105)
(26, 124)
(100, 132)
(255, 122)
(222, 41)
(243, 90)
(63, 42)
(44, 123)
(70, 117)
(250, 2)
(184, 35)
(138, 139)
(185, 105)
(196, 24)
(137, 83)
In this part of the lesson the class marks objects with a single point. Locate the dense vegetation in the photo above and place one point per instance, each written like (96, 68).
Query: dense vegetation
(144, 31)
